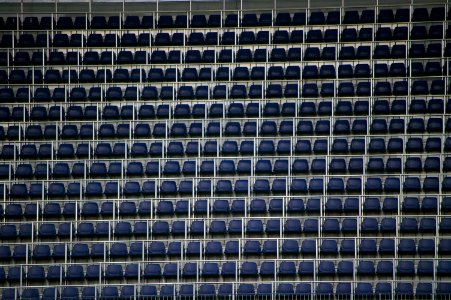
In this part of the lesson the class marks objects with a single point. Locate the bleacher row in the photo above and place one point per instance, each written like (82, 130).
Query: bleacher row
(246, 147)
(222, 167)
(168, 207)
(285, 269)
(316, 184)
(181, 129)
(256, 91)
(384, 290)
(78, 249)
(53, 76)
(233, 110)
(246, 37)
(230, 155)
(299, 18)
(260, 55)
(223, 91)
(310, 226)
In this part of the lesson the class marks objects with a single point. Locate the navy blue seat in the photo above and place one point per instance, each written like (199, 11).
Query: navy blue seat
(314, 36)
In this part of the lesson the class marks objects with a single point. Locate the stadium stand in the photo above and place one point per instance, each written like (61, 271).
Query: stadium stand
(233, 153)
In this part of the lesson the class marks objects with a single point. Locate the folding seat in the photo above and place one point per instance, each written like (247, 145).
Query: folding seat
(443, 269)
(158, 56)
(6, 171)
(445, 225)
(423, 289)
(379, 126)
(412, 184)
(407, 246)
(400, 88)
(383, 34)
(326, 268)
(18, 76)
(30, 293)
(174, 56)
(193, 148)
(276, 72)
(346, 89)
(349, 35)
(25, 40)
(162, 39)
(229, 38)
(318, 18)
(347, 53)
(397, 70)
(337, 166)
(437, 14)
(33, 132)
(366, 268)
(345, 71)
(384, 268)
(442, 289)
(94, 40)
(156, 249)
(427, 225)
(38, 59)
(434, 50)
(340, 145)
(380, 70)
(335, 185)
(8, 40)
(312, 53)
(386, 16)
(10, 232)
(402, 15)
(250, 20)
(437, 87)
(404, 290)
(155, 74)
(345, 268)
(433, 69)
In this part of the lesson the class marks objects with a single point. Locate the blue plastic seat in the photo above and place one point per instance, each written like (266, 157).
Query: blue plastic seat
(245, 290)
(282, 19)
(329, 246)
(345, 268)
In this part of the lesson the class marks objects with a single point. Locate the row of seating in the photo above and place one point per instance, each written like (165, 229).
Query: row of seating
(385, 15)
(61, 40)
(231, 128)
(328, 53)
(433, 69)
(228, 148)
(329, 226)
(369, 227)
(170, 168)
(256, 91)
(384, 269)
(229, 110)
(170, 207)
(335, 185)
(227, 290)
(167, 208)
(159, 249)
